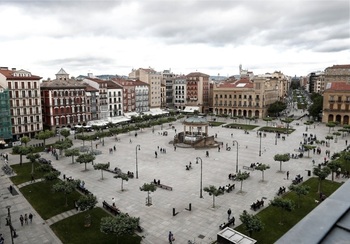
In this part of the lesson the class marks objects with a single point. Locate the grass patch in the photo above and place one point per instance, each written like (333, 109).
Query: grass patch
(46, 202)
(216, 123)
(24, 173)
(271, 216)
(241, 126)
(72, 230)
(276, 130)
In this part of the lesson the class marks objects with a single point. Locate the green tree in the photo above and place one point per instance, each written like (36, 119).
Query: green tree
(66, 187)
(242, 176)
(317, 104)
(86, 202)
(267, 119)
(149, 188)
(43, 135)
(275, 108)
(22, 150)
(300, 190)
(213, 191)
(25, 140)
(71, 153)
(322, 174)
(330, 125)
(336, 135)
(281, 158)
(287, 121)
(65, 133)
(120, 225)
(32, 158)
(309, 148)
(252, 223)
(283, 204)
(85, 158)
(101, 167)
(122, 176)
(83, 138)
(262, 168)
(52, 175)
(63, 144)
(334, 165)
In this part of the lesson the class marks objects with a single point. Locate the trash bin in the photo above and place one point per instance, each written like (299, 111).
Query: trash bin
(308, 172)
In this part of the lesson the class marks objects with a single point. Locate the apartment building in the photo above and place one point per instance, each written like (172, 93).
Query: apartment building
(167, 81)
(336, 101)
(141, 96)
(129, 98)
(115, 99)
(25, 104)
(5, 116)
(101, 86)
(198, 91)
(179, 92)
(92, 102)
(64, 102)
(154, 80)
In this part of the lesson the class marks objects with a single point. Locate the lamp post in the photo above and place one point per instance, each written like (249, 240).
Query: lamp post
(12, 231)
(234, 141)
(260, 144)
(201, 188)
(137, 171)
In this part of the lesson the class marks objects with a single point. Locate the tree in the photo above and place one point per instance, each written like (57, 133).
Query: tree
(22, 150)
(309, 148)
(287, 121)
(32, 158)
(83, 138)
(120, 225)
(66, 187)
(283, 204)
(322, 174)
(63, 144)
(281, 158)
(25, 140)
(72, 152)
(330, 125)
(267, 119)
(65, 133)
(52, 175)
(87, 202)
(149, 188)
(336, 135)
(275, 108)
(262, 168)
(334, 165)
(43, 135)
(122, 176)
(251, 222)
(241, 177)
(85, 158)
(316, 106)
(300, 190)
(213, 191)
(328, 138)
(101, 167)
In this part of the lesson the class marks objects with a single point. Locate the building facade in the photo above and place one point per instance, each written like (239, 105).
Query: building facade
(336, 103)
(168, 82)
(179, 92)
(141, 96)
(337, 73)
(198, 91)
(115, 99)
(63, 102)
(25, 103)
(5, 116)
(129, 98)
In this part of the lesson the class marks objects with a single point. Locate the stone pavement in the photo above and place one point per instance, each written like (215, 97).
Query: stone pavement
(202, 222)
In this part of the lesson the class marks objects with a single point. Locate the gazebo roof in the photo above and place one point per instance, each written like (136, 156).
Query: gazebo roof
(196, 120)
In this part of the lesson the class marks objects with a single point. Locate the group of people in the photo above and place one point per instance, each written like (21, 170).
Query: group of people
(232, 176)
(258, 204)
(281, 190)
(226, 188)
(298, 179)
(189, 166)
(24, 220)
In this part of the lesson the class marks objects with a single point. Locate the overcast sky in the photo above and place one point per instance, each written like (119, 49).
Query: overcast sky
(209, 36)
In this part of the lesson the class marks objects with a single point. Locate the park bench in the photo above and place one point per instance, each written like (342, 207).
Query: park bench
(230, 188)
(248, 168)
(83, 190)
(110, 208)
(224, 225)
(169, 188)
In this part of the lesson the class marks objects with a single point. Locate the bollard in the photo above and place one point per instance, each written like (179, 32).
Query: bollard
(174, 213)
(189, 207)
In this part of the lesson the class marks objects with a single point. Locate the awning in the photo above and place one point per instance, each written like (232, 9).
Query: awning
(191, 109)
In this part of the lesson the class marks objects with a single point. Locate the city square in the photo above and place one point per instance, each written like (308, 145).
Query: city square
(201, 222)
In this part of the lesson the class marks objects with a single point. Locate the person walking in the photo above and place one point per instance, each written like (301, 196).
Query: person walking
(171, 237)
(26, 219)
(30, 217)
(21, 219)
(287, 175)
(229, 213)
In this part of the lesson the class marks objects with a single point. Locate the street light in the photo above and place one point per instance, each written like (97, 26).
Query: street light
(9, 223)
(137, 171)
(260, 144)
(234, 141)
(201, 188)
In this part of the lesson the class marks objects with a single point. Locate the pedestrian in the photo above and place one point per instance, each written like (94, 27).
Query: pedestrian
(113, 201)
(207, 154)
(174, 148)
(171, 237)
(287, 175)
(26, 218)
(346, 142)
(30, 217)
(130, 141)
(229, 213)
(155, 154)
(76, 205)
(21, 219)
(2, 240)
(32, 178)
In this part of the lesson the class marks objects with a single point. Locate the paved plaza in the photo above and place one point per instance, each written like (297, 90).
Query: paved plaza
(202, 222)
